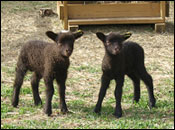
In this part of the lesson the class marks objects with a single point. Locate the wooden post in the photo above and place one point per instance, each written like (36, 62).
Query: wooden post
(73, 28)
(162, 10)
(167, 8)
(65, 15)
(160, 27)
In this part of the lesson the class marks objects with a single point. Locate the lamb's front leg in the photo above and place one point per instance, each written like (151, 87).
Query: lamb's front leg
(105, 81)
(118, 95)
(48, 79)
(62, 87)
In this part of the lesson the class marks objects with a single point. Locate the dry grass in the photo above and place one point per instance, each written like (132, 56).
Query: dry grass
(21, 22)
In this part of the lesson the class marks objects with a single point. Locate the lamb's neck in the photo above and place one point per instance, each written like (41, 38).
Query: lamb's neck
(113, 58)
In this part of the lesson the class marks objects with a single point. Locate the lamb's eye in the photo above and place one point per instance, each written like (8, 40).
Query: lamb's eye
(108, 43)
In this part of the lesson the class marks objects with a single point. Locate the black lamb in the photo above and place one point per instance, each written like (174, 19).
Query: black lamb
(123, 58)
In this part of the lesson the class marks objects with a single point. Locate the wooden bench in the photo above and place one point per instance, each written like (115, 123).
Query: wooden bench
(75, 13)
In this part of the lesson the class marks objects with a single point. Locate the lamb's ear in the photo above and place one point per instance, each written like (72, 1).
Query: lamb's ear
(127, 35)
(52, 35)
(101, 36)
(78, 34)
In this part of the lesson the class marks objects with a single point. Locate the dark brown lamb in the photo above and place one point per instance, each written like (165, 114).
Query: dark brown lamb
(47, 60)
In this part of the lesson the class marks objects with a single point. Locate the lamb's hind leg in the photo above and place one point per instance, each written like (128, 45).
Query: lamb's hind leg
(136, 83)
(35, 85)
(20, 73)
(147, 79)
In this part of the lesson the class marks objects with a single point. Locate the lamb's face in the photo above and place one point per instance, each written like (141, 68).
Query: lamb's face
(66, 44)
(65, 41)
(113, 41)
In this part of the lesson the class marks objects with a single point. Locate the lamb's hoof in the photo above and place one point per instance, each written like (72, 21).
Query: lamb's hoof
(97, 111)
(47, 112)
(15, 104)
(117, 115)
(64, 111)
(37, 103)
(152, 104)
(136, 100)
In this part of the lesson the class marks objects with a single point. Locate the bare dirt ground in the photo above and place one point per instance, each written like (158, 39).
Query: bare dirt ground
(20, 22)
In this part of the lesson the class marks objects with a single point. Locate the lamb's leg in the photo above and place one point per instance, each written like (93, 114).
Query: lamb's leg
(105, 81)
(149, 83)
(48, 79)
(62, 88)
(20, 73)
(136, 83)
(118, 95)
(35, 85)
(63, 105)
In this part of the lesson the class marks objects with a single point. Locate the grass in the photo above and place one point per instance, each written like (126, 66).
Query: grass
(137, 116)
(81, 110)
(83, 82)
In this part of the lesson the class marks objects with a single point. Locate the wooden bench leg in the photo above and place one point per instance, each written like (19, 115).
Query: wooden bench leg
(160, 27)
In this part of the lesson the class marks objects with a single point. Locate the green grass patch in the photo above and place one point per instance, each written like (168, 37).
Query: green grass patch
(87, 68)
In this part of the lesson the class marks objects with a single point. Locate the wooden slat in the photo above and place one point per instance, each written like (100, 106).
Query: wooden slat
(75, 2)
(78, 11)
(116, 21)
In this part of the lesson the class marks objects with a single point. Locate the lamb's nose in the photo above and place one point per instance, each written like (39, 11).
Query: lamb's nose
(68, 50)
(116, 48)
